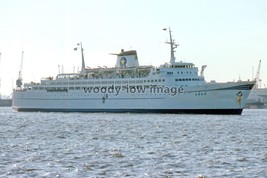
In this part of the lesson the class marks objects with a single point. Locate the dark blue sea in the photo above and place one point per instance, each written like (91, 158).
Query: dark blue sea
(37, 144)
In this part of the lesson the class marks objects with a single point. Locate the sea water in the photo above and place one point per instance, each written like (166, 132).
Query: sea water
(43, 144)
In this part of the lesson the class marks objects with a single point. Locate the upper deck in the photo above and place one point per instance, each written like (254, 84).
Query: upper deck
(127, 71)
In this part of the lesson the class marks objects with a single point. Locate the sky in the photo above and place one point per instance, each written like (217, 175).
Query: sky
(229, 36)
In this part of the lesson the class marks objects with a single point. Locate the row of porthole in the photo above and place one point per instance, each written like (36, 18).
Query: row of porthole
(188, 79)
(181, 72)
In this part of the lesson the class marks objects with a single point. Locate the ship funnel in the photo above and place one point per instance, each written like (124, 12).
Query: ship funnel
(127, 59)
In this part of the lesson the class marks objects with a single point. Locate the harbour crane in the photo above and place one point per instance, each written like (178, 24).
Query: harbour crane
(257, 77)
(0, 78)
(19, 80)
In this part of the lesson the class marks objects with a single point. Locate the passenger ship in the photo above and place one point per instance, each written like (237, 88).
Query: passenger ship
(174, 87)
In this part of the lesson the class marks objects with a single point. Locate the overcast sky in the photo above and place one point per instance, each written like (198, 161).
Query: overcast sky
(229, 36)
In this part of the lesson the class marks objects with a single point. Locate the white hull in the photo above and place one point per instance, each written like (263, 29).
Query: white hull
(211, 98)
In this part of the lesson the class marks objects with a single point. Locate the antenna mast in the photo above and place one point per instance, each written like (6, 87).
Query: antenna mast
(82, 72)
(173, 46)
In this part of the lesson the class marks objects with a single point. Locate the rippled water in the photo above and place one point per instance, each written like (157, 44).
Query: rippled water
(132, 145)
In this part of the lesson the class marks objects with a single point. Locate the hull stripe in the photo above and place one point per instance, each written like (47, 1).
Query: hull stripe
(170, 111)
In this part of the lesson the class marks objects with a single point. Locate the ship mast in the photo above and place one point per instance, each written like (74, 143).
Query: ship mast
(83, 71)
(83, 63)
(173, 46)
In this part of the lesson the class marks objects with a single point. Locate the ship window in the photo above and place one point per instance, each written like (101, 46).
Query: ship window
(77, 88)
(84, 82)
(190, 79)
(163, 80)
(159, 80)
(152, 80)
(71, 83)
(181, 72)
(156, 80)
(125, 82)
(148, 80)
(71, 88)
(176, 80)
